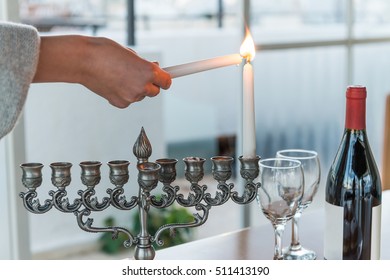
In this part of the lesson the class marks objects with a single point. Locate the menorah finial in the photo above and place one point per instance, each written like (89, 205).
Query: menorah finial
(142, 148)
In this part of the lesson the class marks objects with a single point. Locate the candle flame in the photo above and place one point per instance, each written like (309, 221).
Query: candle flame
(247, 49)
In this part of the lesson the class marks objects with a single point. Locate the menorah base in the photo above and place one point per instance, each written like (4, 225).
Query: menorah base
(144, 252)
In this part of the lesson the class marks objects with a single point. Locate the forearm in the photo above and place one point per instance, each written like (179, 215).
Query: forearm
(105, 67)
(61, 59)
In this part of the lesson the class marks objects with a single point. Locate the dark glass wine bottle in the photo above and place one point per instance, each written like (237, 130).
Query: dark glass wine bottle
(353, 190)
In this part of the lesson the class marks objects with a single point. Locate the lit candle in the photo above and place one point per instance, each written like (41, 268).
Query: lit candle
(248, 51)
(203, 65)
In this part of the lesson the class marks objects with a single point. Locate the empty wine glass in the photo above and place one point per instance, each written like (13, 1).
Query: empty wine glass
(281, 189)
(311, 170)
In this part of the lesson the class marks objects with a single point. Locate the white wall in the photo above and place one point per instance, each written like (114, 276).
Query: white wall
(5, 252)
(201, 105)
(9, 10)
(14, 242)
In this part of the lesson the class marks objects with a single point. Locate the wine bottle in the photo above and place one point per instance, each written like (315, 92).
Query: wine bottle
(353, 190)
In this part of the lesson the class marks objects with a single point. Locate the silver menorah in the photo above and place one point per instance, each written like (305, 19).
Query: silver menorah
(149, 174)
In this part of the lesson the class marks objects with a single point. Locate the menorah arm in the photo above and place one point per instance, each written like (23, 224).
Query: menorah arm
(62, 203)
(250, 193)
(33, 205)
(193, 199)
(118, 200)
(166, 199)
(87, 226)
(220, 197)
(198, 221)
(92, 203)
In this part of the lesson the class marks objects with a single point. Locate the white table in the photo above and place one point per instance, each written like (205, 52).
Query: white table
(258, 242)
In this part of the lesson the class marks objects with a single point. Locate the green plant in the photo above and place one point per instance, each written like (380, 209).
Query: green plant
(156, 218)
(171, 215)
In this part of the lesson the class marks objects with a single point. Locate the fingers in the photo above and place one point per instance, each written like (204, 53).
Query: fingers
(161, 78)
(152, 90)
(123, 103)
(145, 83)
(124, 100)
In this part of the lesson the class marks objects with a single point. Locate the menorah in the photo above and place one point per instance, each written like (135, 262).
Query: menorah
(149, 175)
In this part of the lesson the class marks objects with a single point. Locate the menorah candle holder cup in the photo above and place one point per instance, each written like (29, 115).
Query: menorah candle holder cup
(119, 172)
(32, 175)
(61, 176)
(150, 174)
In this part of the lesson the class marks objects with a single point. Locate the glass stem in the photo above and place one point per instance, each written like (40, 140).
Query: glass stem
(279, 229)
(295, 245)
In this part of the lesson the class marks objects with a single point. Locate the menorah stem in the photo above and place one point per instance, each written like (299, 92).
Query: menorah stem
(144, 249)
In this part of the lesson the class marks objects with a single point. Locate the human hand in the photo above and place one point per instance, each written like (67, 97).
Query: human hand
(107, 68)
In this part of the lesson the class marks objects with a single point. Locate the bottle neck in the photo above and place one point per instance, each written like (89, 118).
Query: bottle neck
(355, 117)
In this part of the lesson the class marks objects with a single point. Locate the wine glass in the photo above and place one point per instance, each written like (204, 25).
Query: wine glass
(281, 189)
(312, 173)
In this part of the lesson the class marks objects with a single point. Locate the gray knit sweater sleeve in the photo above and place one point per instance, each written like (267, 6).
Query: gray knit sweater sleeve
(19, 52)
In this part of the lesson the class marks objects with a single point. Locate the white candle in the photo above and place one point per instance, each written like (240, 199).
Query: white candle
(203, 65)
(248, 125)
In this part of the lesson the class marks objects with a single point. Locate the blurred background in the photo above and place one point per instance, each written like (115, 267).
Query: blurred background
(308, 52)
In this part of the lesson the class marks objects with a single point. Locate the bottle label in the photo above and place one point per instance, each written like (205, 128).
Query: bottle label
(334, 232)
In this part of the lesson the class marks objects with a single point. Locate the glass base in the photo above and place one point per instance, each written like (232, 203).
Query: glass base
(298, 253)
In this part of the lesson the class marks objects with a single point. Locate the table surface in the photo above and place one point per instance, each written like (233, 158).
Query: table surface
(257, 243)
